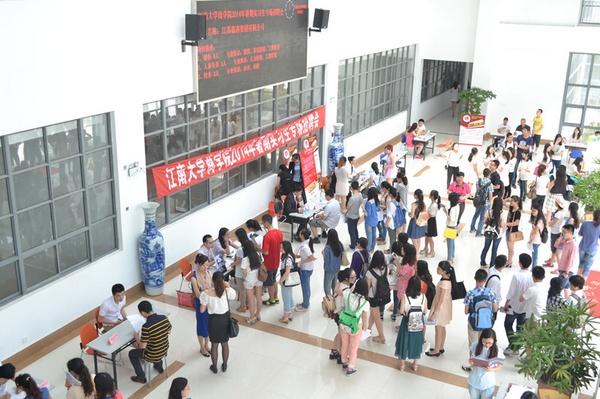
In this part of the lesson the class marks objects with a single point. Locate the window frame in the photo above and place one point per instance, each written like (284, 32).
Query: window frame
(582, 12)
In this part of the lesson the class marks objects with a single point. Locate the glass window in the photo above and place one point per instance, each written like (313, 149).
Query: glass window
(573, 115)
(9, 283)
(152, 117)
(235, 178)
(590, 12)
(253, 170)
(154, 148)
(576, 95)
(49, 216)
(104, 237)
(579, 73)
(199, 194)
(73, 251)
(175, 111)
(252, 117)
(31, 187)
(218, 185)
(198, 136)
(176, 141)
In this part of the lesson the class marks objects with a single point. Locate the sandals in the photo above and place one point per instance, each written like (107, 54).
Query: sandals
(284, 320)
(251, 320)
(414, 366)
(379, 340)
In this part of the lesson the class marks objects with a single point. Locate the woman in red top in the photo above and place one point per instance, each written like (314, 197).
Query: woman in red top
(462, 189)
(406, 269)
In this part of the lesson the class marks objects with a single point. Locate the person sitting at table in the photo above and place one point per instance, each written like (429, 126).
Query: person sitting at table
(575, 136)
(112, 310)
(327, 219)
(421, 131)
(8, 389)
(206, 249)
(152, 344)
(504, 127)
(78, 380)
(27, 385)
(105, 387)
(294, 204)
(575, 170)
(223, 246)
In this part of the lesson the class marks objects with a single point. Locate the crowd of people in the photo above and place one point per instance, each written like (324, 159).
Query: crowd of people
(388, 266)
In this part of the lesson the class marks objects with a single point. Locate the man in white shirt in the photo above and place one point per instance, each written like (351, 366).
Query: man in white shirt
(514, 308)
(8, 389)
(536, 295)
(494, 280)
(327, 219)
(504, 127)
(112, 310)
(207, 250)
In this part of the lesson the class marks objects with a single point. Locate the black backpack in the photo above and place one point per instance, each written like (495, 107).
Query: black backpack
(481, 195)
(382, 291)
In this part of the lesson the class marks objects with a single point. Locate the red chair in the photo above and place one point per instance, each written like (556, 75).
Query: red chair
(99, 325)
(87, 334)
(185, 298)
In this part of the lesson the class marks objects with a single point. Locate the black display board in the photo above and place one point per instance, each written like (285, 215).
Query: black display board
(250, 44)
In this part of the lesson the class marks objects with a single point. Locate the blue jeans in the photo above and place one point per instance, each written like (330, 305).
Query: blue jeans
(305, 283)
(371, 237)
(475, 393)
(586, 260)
(480, 213)
(534, 255)
(450, 246)
(329, 282)
(490, 243)
(288, 299)
(352, 231)
(381, 229)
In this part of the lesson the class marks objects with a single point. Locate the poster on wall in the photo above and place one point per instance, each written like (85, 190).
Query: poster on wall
(309, 158)
(472, 128)
(176, 176)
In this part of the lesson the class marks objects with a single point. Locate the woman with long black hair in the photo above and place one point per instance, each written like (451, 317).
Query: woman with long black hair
(250, 261)
(441, 308)
(79, 381)
(482, 380)
(180, 388)
(512, 226)
(332, 260)
(417, 227)
(105, 387)
(216, 301)
(371, 208)
(494, 223)
(287, 264)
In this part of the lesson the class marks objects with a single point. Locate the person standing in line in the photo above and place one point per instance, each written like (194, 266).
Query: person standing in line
(356, 306)
(389, 169)
(307, 259)
(411, 335)
(514, 308)
(557, 152)
(494, 226)
(538, 224)
(452, 163)
(79, 381)
(511, 165)
(494, 280)
(474, 170)
(535, 296)
(463, 190)
(332, 261)
(250, 261)
(353, 213)
(512, 226)
(393, 262)
(452, 218)
(524, 172)
(588, 246)
(524, 141)
(346, 280)
(389, 218)
(27, 385)
(405, 270)
(482, 202)
(482, 380)
(441, 309)
(541, 184)
(8, 389)
(201, 281)
(576, 294)
(432, 210)
(568, 253)
(360, 258)
(342, 176)
(401, 187)
(417, 227)
(216, 302)
(180, 389)
(481, 304)
(379, 296)
(105, 387)
(555, 300)
(371, 209)
(271, 247)
(454, 98)
(538, 127)
(287, 264)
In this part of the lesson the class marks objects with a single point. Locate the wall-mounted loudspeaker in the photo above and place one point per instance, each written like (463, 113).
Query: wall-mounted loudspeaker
(320, 19)
(195, 27)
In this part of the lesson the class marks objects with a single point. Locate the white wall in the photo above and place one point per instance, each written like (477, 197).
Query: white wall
(526, 64)
(68, 59)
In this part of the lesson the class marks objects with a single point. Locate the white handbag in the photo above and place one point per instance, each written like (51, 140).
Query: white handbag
(293, 279)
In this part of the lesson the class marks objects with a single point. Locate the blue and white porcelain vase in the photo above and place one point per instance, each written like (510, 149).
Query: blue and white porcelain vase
(151, 252)
(336, 147)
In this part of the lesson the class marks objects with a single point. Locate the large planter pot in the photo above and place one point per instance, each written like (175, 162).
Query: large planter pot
(151, 252)
(548, 392)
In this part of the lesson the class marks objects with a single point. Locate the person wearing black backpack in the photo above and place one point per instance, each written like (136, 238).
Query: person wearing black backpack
(482, 201)
(494, 224)
(411, 335)
(379, 293)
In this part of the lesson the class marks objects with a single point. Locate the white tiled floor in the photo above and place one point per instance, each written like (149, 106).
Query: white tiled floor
(267, 365)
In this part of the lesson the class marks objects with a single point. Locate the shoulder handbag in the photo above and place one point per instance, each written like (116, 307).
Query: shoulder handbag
(263, 274)
(233, 327)
(345, 260)
(458, 290)
(422, 219)
(531, 191)
(293, 279)
(516, 235)
(450, 233)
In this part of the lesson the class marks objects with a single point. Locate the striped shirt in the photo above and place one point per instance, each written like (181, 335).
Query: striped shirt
(155, 333)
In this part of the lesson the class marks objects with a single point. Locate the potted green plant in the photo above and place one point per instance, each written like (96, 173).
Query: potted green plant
(559, 352)
(473, 98)
(587, 190)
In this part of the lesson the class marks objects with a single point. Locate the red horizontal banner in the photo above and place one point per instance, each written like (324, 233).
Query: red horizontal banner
(179, 175)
